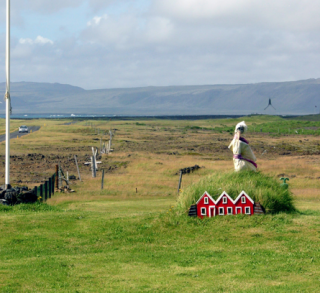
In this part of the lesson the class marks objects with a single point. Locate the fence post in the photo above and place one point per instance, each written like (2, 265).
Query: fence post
(94, 152)
(180, 182)
(60, 179)
(52, 184)
(50, 187)
(75, 158)
(46, 190)
(56, 178)
(41, 192)
(36, 191)
(93, 165)
(102, 178)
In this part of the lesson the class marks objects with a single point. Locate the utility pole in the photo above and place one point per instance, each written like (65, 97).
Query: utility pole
(7, 98)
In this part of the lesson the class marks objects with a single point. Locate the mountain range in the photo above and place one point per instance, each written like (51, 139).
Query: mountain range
(292, 97)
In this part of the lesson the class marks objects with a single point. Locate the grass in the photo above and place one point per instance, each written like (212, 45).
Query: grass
(120, 240)
(92, 251)
(260, 187)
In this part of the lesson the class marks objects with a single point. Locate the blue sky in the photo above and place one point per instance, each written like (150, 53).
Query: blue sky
(131, 43)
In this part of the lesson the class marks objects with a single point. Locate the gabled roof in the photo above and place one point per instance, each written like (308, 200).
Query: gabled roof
(241, 194)
(227, 195)
(207, 194)
(222, 194)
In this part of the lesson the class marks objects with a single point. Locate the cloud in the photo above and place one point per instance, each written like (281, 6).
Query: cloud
(38, 40)
(127, 31)
(48, 7)
(273, 14)
(97, 5)
(26, 41)
(42, 40)
(130, 43)
(96, 20)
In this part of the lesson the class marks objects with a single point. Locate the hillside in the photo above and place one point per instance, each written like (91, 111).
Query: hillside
(295, 97)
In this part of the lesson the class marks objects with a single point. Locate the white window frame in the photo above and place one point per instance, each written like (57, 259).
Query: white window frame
(203, 213)
(228, 211)
(221, 209)
(206, 200)
(243, 199)
(239, 208)
(245, 209)
(224, 200)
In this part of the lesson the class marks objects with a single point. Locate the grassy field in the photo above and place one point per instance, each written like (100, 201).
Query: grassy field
(128, 236)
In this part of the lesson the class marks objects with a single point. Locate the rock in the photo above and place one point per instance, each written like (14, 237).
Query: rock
(4, 202)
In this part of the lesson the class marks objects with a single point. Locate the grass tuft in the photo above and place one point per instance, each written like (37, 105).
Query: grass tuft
(260, 187)
(34, 207)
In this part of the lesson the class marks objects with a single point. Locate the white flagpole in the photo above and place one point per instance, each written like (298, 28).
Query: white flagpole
(7, 98)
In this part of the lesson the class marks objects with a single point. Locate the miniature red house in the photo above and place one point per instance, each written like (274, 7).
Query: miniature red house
(224, 205)
(206, 206)
(244, 204)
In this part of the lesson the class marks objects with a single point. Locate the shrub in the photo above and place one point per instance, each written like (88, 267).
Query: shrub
(260, 187)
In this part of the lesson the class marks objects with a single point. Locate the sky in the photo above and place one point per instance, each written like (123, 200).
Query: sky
(132, 43)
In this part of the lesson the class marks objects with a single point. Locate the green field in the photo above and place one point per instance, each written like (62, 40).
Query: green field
(122, 240)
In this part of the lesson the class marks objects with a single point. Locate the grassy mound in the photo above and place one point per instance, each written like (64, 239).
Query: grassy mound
(258, 186)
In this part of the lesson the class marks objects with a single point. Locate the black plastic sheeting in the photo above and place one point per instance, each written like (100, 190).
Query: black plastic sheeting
(17, 195)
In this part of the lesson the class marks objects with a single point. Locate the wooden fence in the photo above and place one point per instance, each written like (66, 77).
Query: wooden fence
(46, 190)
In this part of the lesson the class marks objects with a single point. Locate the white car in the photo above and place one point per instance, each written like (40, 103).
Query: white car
(23, 128)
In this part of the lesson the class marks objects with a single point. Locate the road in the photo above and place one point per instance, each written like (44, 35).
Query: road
(17, 134)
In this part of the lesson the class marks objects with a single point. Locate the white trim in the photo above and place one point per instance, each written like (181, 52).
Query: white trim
(215, 202)
(205, 211)
(239, 208)
(206, 200)
(205, 194)
(245, 209)
(228, 210)
(222, 210)
(227, 195)
(214, 211)
(241, 194)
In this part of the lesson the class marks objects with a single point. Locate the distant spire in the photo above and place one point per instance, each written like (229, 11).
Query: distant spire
(269, 104)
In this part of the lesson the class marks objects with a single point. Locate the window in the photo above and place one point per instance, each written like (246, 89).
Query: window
(224, 200)
(221, 211)
(248, 211)
(203, 211)
(243, 199)
(229, 211)
(206, 200)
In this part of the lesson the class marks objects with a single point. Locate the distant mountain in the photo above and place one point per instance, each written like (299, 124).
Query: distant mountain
(294, 97)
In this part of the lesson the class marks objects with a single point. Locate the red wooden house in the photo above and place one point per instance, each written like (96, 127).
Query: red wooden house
(225, 205)
(208, 207)
(244, 204)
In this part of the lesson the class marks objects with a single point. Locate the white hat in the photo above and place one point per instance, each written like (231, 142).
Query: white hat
(242, 126)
